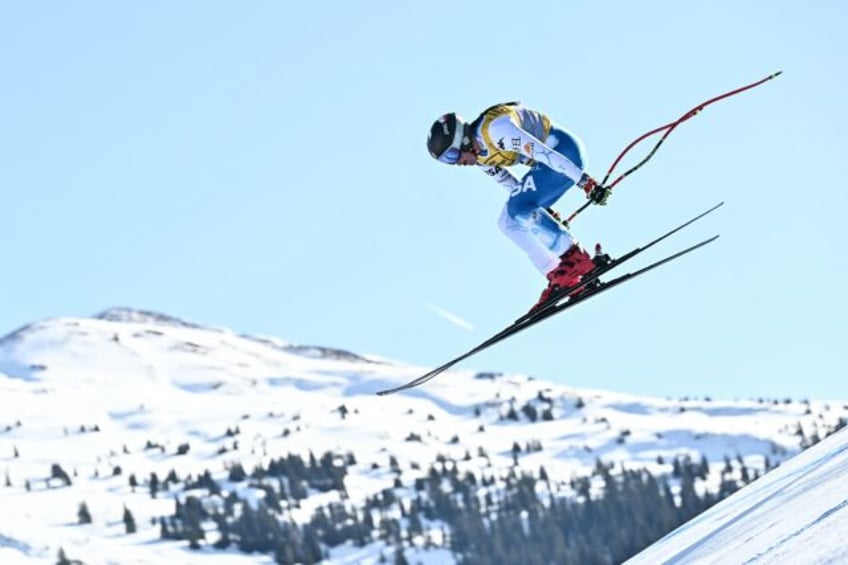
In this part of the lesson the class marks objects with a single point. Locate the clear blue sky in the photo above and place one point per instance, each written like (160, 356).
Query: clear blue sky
(261, 166)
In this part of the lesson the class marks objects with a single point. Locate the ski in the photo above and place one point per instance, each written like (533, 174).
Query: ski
(589, 278)
(603, 286)
(539, 316)
(554, 305)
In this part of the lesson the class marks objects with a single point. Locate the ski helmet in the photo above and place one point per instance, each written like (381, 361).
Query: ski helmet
(449, 138)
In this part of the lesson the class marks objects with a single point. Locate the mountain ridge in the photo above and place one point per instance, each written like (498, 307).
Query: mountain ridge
(94, 394)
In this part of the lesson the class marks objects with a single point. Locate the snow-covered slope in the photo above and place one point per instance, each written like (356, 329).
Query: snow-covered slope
(130, 392)
(798, 513)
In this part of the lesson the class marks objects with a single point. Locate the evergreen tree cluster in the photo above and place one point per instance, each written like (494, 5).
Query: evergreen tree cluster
(517, 518)
(264, 526)
(818, 431)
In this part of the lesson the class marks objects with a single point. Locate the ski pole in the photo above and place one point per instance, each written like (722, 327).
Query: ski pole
(668, 128)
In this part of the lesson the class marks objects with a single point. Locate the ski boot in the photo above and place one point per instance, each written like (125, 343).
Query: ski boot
(601, 261)
(573, 264)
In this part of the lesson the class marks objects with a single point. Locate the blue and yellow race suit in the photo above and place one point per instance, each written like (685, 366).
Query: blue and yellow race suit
(509, 135)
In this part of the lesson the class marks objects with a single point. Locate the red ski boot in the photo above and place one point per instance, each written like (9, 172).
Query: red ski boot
(573, 264)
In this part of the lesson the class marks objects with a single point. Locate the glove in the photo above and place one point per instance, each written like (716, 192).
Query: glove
(599, 195)
(595, 192)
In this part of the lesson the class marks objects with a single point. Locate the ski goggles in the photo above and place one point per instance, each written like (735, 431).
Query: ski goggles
(460, 142)
(450, 155)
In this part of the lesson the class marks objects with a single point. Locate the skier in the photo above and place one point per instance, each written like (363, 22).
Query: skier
(510, 134)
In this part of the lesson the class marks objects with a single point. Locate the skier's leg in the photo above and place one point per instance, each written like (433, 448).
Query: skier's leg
(536, 233)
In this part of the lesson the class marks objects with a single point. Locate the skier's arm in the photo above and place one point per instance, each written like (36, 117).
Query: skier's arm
(533, 148)
(505, 178)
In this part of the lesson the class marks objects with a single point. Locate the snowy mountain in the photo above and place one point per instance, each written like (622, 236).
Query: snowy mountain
(795, 514)
(96, 412)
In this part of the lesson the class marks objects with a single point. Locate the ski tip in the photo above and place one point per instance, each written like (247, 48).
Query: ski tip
(777, 74)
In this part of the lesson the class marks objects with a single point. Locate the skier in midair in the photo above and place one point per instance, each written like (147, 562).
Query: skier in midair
(510, 134)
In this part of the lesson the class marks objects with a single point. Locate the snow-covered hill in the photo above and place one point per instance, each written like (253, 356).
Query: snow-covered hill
(796, 514)
(131, 394)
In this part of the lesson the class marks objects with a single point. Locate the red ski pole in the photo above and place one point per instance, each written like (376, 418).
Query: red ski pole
(668, 128)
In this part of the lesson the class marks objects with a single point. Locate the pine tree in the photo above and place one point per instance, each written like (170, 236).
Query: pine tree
(400, 558)
(192, 515)
(56, 472)
(154, 485)
(129, 521)
(237, 473)
(690, 504)
(83, 515)
(745, 475)
(224, 540)
(703, 468)
(530, 411)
